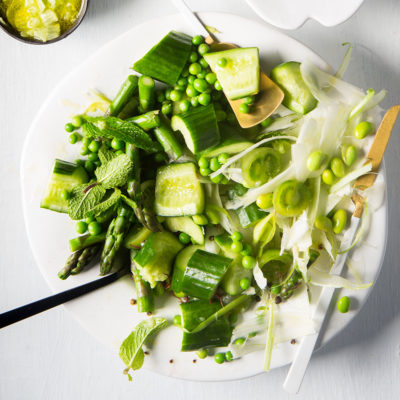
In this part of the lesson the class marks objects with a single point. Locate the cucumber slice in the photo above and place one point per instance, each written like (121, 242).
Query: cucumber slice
(180, 265)
(178, 191)
(199, 128)
(65, 176)
(228, 146)
(260, 165)
(298, 96)
(241, 75)
(250, 215)
(231, 280)
(136, 236)
(154, 260)
(186, 224)
(166, 60)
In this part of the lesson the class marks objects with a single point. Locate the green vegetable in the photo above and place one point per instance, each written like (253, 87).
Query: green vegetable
(146, 93)
(106, 204)
(197, 40)
(219, 358)
(275, 266)
(235, 273)
(291, 198)
(131, 352)
(200, 219)
(199, 128)
(124, 94)
(339, 220)
(94, 228)
(245, 283)
(184, 237)
(187, 226)
(65, 177)
(298, 96)
(338, 168)
(364, 129)
(144, 294)
(260, 165)
(202, 353)
(249, 262)
(328, 177)
(239, 74)
(178, 191)
(166, 137)
(349, 155)
(146, 121)
(249, 215)
(315, 160)
(129, 109)
(166, 60)
(81, 227)
(154, 260)
(244, 108)
(136, 237)
(81, 242)
(203, 49)
(236, 247)
(83, 199)
(265, 201)
(203, 274)
(115, 172)
(323, 223)
(344, 304)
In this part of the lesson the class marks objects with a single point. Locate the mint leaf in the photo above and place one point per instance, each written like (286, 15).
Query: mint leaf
(83, 199)
(105, 204)
(131, 352)
(105, 154)
(112, 127)
(115, 172)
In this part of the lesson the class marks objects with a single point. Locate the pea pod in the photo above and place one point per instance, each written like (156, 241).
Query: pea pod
(339, 220)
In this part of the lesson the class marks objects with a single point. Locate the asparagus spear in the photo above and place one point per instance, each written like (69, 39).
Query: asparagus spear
(144, 294)
(123, 96)
(129, 109)
(116, 233)
(70, 264)
(166, 137)
(146, 121)
(81, 242)
(146, 92)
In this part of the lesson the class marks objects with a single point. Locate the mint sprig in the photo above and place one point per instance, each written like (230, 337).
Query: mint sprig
(83, 198)
(114, 172)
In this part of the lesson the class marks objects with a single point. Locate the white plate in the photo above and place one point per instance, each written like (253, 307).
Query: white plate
(291, 14)
(107, 313)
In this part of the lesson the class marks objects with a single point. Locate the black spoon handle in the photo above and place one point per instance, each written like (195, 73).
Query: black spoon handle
(20, 313)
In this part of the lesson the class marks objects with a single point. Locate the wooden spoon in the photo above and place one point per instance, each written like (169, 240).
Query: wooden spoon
(270, 95)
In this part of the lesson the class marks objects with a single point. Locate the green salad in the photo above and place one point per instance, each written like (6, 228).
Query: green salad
(237, 224)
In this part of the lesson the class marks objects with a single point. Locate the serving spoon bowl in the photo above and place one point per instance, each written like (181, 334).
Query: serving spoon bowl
(11, 31)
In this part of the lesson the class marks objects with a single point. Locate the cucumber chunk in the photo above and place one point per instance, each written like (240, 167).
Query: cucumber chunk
(235, 273)
(136, 236)
(240, 76)
(199, 128)
(65, 176)
(166, 60)
(298, 96)
(250, 215)
(178, 191)
(154, 260)
(186, 224)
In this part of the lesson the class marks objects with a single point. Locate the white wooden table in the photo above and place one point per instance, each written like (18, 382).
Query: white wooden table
(52, 357)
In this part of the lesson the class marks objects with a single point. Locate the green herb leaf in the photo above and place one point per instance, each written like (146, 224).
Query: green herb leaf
(83, 199)
(115, 172)
(106, 204)
(112, 127)
(105, 154)
(131, 352)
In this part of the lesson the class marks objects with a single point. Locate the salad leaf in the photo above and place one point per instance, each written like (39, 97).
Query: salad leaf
(83, 199)
(115, 172)
(105, 154)
(131, 352)
(105, 205)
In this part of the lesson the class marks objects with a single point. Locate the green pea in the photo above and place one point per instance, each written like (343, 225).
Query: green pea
(217, 86)
(323, 223)
(191, 91)
(65, 194)
(228, 356)
(224, 180)
(200, 85)
(236, 246)
(203, 162)
(203, 49)
(77, 121)
(177, 320)
(203, 62)
(217, 178)
(202, 75)
(73, 138)
(248, 262)
(191, 79)
(119, 152)
(184, 238)
(247, 250)
(93, 157)
(211, 78)
(117, 144)
(94, 146)
(339, 220)
(166, 108)
(197, 40)
(328, 177)
(264, 201)
(94, 228)
(252, 334)
(179, 88)
(267, 122)
(194, 68)
(69, 127)
(182, 82)
(214, 164)
(276, 289)
(315, 160)
(194, 101)
(80, 162)
(344, 304)
(363, 129)
(84, 150)
(223, 158)
(168, 93)
(200, 219)
(160, 96)
(244, 108)
(349, 155)
(184, 105)
(244, 283)
(240, 341)
(81, 227)
(248, 100)
(86, 141)
(205, 171)
(219, 358)
(236, 236)
(89, 166)
(338, 168)
(203, 353)
(222, 62)
(88, 220)
(193, 57)
(204, 99)
(176, 95)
